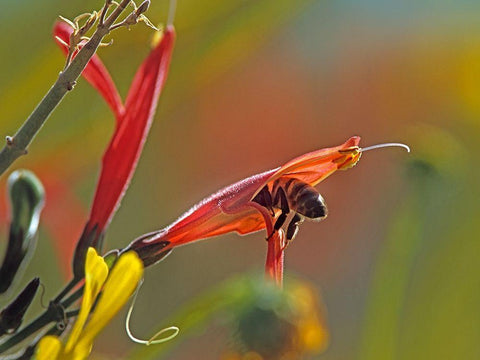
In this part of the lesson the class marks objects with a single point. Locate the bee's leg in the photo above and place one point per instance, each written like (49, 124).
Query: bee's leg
(280, 200)
(264, 198)
(292, 228)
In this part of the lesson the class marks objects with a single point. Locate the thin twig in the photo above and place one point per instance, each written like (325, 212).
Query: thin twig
(105, 8)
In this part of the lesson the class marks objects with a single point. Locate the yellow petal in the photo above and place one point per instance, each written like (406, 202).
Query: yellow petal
(121, 283)
(96, 271)
(48, 348)
(80, 352)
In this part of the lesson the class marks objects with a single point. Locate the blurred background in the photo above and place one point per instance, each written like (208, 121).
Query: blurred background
(253, 84)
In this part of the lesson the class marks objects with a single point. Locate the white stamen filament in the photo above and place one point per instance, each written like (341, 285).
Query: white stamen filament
(378, 146)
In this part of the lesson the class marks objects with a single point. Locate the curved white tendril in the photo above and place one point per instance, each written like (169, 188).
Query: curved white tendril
(153, 340)
(406, 147)
(171, 12)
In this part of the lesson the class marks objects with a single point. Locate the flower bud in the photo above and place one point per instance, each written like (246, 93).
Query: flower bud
(92, 19)
(26, 196)
(143, 7)
(12, 315)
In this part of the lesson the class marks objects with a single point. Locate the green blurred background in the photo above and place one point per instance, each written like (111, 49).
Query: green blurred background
(252, 85)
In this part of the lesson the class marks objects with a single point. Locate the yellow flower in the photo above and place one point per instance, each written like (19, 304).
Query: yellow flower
(117, 288)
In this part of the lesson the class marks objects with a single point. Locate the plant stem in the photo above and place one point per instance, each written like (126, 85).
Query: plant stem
(17, 145)
(66, 290)
(31, 328)
(44, 319)
(72, 298)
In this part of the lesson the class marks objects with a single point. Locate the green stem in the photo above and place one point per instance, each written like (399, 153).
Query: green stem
(30, 329)
(17, 145)
(72, 298)
(66, 290)
(44, 319)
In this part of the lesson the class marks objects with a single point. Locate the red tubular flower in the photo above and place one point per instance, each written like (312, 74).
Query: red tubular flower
(123, 152)
(238, 208)
(133, 122)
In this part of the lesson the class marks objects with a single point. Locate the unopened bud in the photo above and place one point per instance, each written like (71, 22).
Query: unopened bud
(26, 196)
(131, 19)
(143, 7)
(92, 19)
(11, 316)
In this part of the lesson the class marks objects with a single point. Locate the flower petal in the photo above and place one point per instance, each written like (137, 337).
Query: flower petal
(121, 283)
(317, 165)
(123, 152)
(96, 271)
(95, 72)
(48, 348)
(225, 211)
(275, 257)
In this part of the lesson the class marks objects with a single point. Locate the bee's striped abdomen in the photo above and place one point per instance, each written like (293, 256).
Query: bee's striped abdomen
(302, 198)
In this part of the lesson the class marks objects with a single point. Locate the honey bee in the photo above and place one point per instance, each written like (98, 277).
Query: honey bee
(295, 199)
